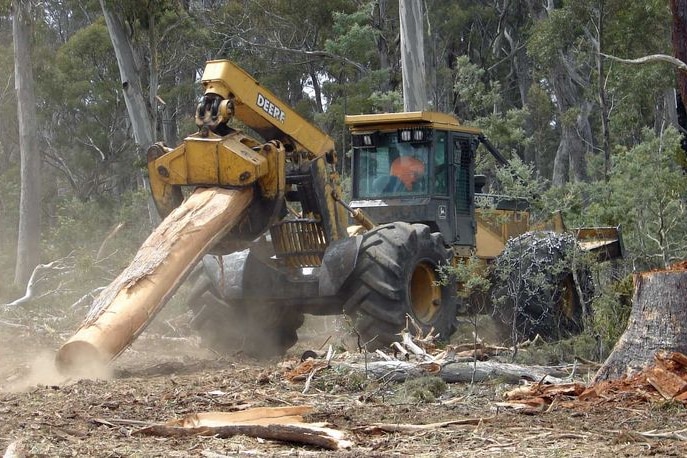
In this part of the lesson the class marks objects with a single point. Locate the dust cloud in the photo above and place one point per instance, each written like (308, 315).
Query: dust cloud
(27, 372)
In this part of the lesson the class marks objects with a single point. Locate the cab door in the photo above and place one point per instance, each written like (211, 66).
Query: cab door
(463, 149)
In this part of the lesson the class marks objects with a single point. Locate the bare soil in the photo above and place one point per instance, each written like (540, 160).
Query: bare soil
(168, 374)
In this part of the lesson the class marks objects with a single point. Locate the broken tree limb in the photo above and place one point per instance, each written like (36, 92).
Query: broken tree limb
(39, 274)
(680, 65)
(410, 428)
(458, 372)
(275, 423)
(123, 309)
(300, 434)
(657, 322)
(255, 416)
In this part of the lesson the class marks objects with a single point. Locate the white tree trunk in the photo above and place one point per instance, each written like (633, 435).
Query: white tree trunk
(136, 107)
(28, 243)
(412, 56)
(131, 83)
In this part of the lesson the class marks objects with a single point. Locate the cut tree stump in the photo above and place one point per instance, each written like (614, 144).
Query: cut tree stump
(657, 322)
(123, 309)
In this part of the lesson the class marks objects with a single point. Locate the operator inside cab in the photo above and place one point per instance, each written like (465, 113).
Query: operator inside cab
(388, 166)
(408, 170)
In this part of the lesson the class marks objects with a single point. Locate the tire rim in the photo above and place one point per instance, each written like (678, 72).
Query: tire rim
(425, 293)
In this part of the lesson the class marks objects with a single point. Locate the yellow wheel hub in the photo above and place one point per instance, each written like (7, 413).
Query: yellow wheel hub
(425, 293)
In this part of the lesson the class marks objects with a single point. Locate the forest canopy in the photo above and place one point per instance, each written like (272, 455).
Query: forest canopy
(595, 138)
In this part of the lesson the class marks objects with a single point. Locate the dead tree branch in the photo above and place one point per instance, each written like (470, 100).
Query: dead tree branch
(39, 275)
(651, 59)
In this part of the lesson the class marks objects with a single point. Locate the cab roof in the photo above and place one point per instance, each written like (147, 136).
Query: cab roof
(431, 119)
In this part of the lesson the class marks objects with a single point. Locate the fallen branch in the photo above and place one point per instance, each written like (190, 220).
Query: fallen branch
(650, 59)
(274, 423)
(457, 372)
(13, 325)
(89, 296)
(680, 435)
(39, 274)
(108, 237)
(301, 434)
(409, 428)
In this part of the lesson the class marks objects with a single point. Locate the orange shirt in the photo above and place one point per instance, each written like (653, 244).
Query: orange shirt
(408, 170)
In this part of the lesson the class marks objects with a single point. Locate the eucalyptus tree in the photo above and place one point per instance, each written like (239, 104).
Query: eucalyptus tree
(29, 233)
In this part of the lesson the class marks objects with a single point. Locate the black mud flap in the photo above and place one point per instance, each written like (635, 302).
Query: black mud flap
(337, 264)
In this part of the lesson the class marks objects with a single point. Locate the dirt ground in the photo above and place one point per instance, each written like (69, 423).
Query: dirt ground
(167, 374)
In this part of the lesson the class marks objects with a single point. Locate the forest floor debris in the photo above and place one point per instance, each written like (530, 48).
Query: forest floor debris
(163, 377)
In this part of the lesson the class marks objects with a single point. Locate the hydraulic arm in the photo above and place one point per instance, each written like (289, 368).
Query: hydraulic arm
(296, 163)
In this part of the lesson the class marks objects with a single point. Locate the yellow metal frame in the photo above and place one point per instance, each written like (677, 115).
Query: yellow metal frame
(388, 121)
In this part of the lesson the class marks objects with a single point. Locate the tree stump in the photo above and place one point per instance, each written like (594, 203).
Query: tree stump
(658, 321)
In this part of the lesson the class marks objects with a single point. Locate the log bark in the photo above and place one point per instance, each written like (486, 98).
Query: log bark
(412, 56)
(123, 309)
(657, 322)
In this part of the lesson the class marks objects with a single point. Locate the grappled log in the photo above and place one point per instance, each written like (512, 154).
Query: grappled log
(123, 309)
(657, 322)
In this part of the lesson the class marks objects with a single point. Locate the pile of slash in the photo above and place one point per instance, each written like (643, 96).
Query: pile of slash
(664, 380)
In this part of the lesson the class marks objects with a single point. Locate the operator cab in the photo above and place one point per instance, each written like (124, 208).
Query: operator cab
(391, 164)
(416, 167)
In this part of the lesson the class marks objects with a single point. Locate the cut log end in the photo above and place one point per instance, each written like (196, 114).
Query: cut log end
(83, 359)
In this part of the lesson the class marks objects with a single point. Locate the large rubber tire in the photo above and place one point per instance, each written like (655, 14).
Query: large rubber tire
(537, 287)
(244, 327)
(396, 275)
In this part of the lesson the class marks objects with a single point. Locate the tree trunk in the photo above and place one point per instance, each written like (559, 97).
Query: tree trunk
(412, 56)
(124, 309)
(131, 83)
(570, 163)
(139, 114)
(657, 322)
(29, 237)
(603, 96)
(562, 160)
(380, 20)
(679, 31)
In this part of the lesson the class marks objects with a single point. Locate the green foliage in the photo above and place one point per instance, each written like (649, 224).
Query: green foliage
(475, 98)
(560, 352)
(420, 390)
(645, 194)
(83, 227)
(353, 35)
(470, 275)
(612, 310)
(340, 379)
(548, 37)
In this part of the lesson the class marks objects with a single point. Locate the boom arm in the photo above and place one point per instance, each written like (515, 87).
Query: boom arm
(295, 163)
(240, 95)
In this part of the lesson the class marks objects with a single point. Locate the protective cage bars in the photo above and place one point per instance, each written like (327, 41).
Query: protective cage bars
(299, 243)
